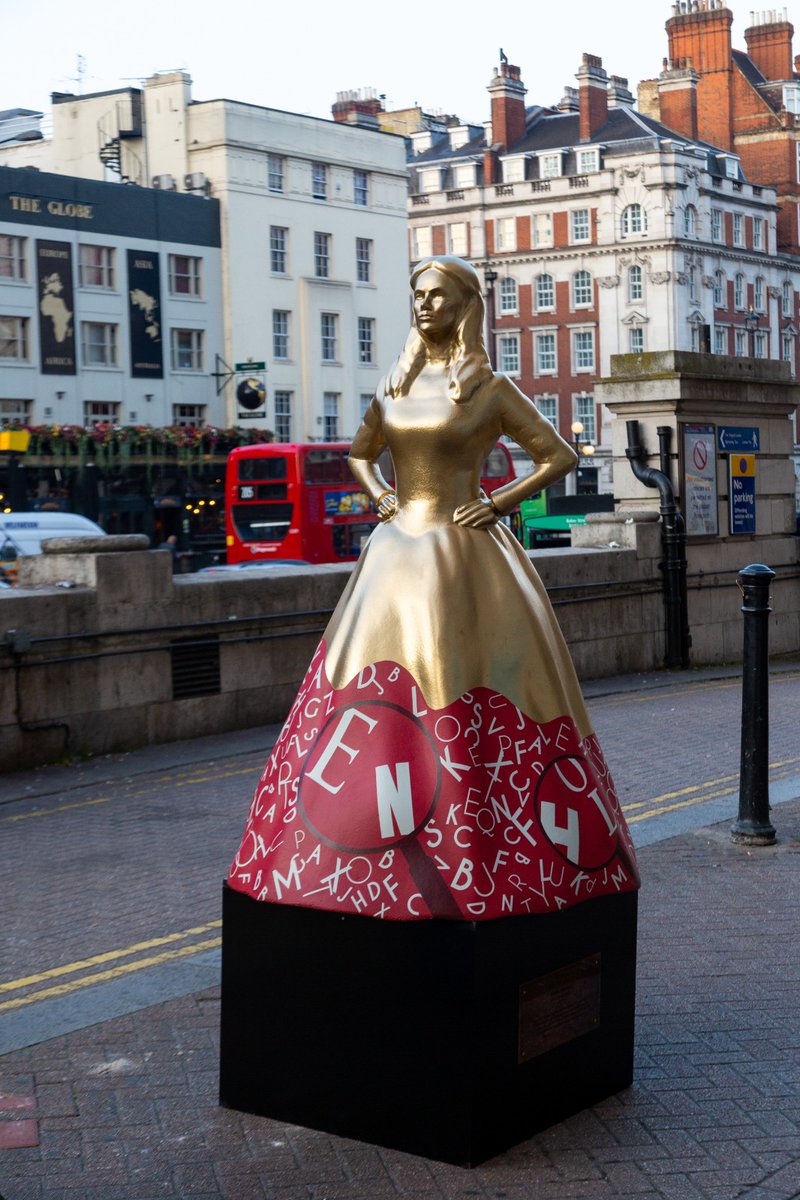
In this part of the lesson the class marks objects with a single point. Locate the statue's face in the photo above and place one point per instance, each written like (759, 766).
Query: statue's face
(438, 302)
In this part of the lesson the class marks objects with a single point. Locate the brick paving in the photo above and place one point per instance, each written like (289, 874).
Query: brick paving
(126, 1109)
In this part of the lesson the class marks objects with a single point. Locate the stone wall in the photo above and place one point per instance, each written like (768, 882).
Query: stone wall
(92, 654)
(108, 651)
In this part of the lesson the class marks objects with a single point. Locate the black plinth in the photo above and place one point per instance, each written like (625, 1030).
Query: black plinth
(453, 1040)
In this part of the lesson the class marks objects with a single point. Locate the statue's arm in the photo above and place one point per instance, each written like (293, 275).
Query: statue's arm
(364, 453)
(552, 457)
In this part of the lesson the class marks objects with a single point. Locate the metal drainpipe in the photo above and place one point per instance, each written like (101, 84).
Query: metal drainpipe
(673, 541)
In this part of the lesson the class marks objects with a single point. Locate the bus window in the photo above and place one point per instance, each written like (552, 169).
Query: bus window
(497, 464)
(326, 466)
(262, 468)
(261, 522)
(349, 539)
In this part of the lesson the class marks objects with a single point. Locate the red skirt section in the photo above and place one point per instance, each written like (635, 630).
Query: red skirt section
(373, 803)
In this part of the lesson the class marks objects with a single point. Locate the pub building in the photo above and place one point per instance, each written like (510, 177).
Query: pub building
(110, 319)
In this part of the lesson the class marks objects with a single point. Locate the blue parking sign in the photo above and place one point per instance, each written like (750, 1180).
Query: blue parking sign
(742, 493)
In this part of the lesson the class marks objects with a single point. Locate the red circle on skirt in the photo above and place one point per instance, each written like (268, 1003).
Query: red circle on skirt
(371, 779)
(575, 815)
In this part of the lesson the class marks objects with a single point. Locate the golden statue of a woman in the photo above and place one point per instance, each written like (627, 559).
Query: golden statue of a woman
(439, 760)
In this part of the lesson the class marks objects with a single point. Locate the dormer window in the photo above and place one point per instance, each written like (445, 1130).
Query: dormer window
(464, 175)
(732, 168)
(791, 98)
(513, 170)
(431, 180)
(588, 161)
(550, 166)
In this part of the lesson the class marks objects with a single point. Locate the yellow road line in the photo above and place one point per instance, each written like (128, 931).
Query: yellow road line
(127, 794)
(96, 959)
(667, 693)
(49, 812)
(687, 791)
(699, 790)
(666, 808)
(63, 989)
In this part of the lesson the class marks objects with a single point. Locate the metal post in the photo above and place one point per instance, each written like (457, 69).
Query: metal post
(753, 827)
(673, 541)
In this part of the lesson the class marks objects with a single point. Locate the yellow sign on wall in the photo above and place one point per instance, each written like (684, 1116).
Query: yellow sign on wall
(14, 439)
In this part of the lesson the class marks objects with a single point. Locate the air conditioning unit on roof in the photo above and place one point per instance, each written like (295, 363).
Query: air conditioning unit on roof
(165, 183)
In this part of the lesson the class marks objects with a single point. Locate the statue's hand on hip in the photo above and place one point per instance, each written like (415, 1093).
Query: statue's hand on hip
(478, 514)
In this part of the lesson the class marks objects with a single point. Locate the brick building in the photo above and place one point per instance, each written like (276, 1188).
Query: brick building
(600, 230)
(745, 102)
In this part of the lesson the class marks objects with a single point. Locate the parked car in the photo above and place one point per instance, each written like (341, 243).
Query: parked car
(22, 533)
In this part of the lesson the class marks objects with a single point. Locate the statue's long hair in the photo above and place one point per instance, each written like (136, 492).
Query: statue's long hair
(468, 361)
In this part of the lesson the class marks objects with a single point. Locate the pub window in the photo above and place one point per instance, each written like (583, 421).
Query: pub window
(187, 349)
(96, 266)
(185, 275)
(12, 257)
(99, 344)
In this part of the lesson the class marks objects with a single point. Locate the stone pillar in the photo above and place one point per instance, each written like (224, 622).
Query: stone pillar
(674, 389)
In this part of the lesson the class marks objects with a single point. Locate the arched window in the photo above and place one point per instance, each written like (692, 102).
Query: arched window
(634, 220)
(545, 291)
(739, 291)
(508, 295)
(635, 283)
(581, 289)
(786, 299)
(690, 221)
(719, 289)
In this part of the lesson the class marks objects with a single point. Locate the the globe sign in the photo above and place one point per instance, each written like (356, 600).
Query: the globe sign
(251, 394)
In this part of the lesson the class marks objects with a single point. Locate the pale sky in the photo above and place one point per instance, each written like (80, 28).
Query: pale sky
(297, 54)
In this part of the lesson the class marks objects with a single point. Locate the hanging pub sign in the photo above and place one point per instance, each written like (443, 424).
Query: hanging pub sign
(742, 493)
(251, 394)
(144, 299)
(699, 480)
(56, 308)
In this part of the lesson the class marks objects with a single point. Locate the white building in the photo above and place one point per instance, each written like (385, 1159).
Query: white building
(110, 303)
(314, 244)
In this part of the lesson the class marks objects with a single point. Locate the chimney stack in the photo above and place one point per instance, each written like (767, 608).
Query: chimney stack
(769, 44)
(592, 96)
(677, 96)
(619, 94)
(358, 108)
(508, 105)
(699, 33)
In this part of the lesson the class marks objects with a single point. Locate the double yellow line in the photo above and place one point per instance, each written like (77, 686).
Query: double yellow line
(686, 797)
(174, 946)
(115, 972)
(129, 793)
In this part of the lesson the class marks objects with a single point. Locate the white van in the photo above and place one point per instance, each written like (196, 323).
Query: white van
(23, 532)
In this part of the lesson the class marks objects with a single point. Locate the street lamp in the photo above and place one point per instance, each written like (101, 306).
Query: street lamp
(490, 278)
(584, 449)
(751, 324)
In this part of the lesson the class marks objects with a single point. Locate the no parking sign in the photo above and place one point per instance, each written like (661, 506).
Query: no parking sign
(742, 493)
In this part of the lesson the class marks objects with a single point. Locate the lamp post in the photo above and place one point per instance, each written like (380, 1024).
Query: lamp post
(490, 278)
(583, 449)
(751, 324)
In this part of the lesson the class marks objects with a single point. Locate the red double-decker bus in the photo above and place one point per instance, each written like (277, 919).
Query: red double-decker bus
(300, 501)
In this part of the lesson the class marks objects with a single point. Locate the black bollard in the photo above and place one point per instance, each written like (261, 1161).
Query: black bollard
(753, 826)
